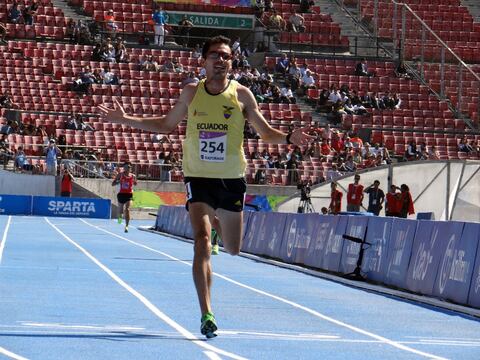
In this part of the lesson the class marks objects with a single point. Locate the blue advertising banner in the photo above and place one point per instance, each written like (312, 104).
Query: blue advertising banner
(252, 232)
(333, 249)
(305, 234)
(474, 293)
(71, 207)
(324, 230)
(428, 251)
(275, 223)
(287, 249)
(456, 266)
(399, 251)
(15, 205)
(258, 243)
(375, 256)
(357, 226)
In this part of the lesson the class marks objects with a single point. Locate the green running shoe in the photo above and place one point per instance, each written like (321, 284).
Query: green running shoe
(126, 229)
(215, 249)
(214, 237)
(119, 219)
(209, 325)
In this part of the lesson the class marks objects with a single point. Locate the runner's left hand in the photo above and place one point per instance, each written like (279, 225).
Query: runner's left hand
(300, 136)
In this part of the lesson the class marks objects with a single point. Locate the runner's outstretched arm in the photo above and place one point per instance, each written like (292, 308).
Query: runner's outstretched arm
(157, 124)
(267, 133)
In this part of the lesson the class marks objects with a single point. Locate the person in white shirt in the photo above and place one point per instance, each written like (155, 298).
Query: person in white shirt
(307, 81)
(287, 94)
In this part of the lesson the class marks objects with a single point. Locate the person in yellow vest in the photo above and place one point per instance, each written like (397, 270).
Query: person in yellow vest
(213, 157)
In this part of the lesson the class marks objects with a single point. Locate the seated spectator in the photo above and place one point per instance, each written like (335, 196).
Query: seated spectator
(167, 66)
(366, 151)
(6, 101)
(411, 153)
(354, 109)
(260, 177)
(71, 31)
(356, 141)
(283, 64)
(349, 165)
(464, 146)
(21, 162)
(333, 173)
(150, 64)
(7, 128)
(197, 52)
(83, 125)
(191, 78)
(367, 100)
(305, 6)
(338, 111)
(323, 104)
(307, 81)
(401, 71)
(276, 21)
(377, 102)
(177, 67)
(108, 53)
(361, 69)
(29, 12)
(14, 15)
(121, 55)
(5, 154)
(296, 22)
(110, 24)
(287, 95)
(108, 77)
(325, 148)
(96, 52)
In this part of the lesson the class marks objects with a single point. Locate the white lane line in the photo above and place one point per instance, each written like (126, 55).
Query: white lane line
(212, 355)
(11, 355)
(82, 327)
(188, 335)
(4, 238)
(286, 301)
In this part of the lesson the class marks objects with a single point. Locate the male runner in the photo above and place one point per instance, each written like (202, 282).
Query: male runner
(213, 157)
(125, 195)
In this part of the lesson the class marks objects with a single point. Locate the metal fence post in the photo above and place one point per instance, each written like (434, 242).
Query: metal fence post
(395, 20)
(442, 73)
(375, 18)
(460, 90)
(422, 55)
(404, 26)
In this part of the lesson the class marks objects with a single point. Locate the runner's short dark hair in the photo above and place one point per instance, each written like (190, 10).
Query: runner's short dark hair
(220, 39)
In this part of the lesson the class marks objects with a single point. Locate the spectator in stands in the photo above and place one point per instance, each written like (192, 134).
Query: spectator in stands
(6, 101)
(293, 175)
(393, 204)
(401, 70)
(3, 33)
(464, 146)
(349, 164)
(305, 6)
(184, 27)
(71, 31)
(338, 111)
(296, 22)
(433, 153)
(333, 173)
(51, 153)
(177, 66)
(66, 183)
(21, 162)
(159, 21)
(361, 69)
(108, 77)
(276, 21)
(376, 197)
(335, 200)
(108, 53)
(268, 5)
(307, 81)
(366, 151)
(110, 24)
(287, 95)
(260, 177)
(121, 55)
(283, 64)
(197, 52)
(411, 153)
(14, 15)
(7, 128)
(191, 78)
(355, 195)
(150, 64)
(377, 102)
(259, 8)
(323, 104)
(406, 202)
(82, 125)
(5, 154)
(29, 12)
(84, 36)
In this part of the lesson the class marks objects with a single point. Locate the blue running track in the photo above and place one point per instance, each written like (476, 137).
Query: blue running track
(83, 289)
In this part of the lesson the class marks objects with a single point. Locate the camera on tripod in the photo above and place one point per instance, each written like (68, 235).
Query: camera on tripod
(305, 205)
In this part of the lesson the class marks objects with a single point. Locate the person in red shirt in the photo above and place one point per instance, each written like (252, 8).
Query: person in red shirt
(126, 180)
(354, 195)
(394, 204)
(335, 200)
(66, 184)
(325, 148)
(406, 202)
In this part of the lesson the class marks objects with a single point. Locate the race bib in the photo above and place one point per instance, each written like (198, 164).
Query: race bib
(354, 196)
(213, 146)
(374, 202)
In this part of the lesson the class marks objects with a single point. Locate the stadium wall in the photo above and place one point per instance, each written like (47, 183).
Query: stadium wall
(449, 189)
(435, 258)
(23, 184)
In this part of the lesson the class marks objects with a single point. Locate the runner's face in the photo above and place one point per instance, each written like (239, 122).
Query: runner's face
(217, 62)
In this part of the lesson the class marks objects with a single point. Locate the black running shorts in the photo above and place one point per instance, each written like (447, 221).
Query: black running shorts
(228, 194)
(124, 197)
